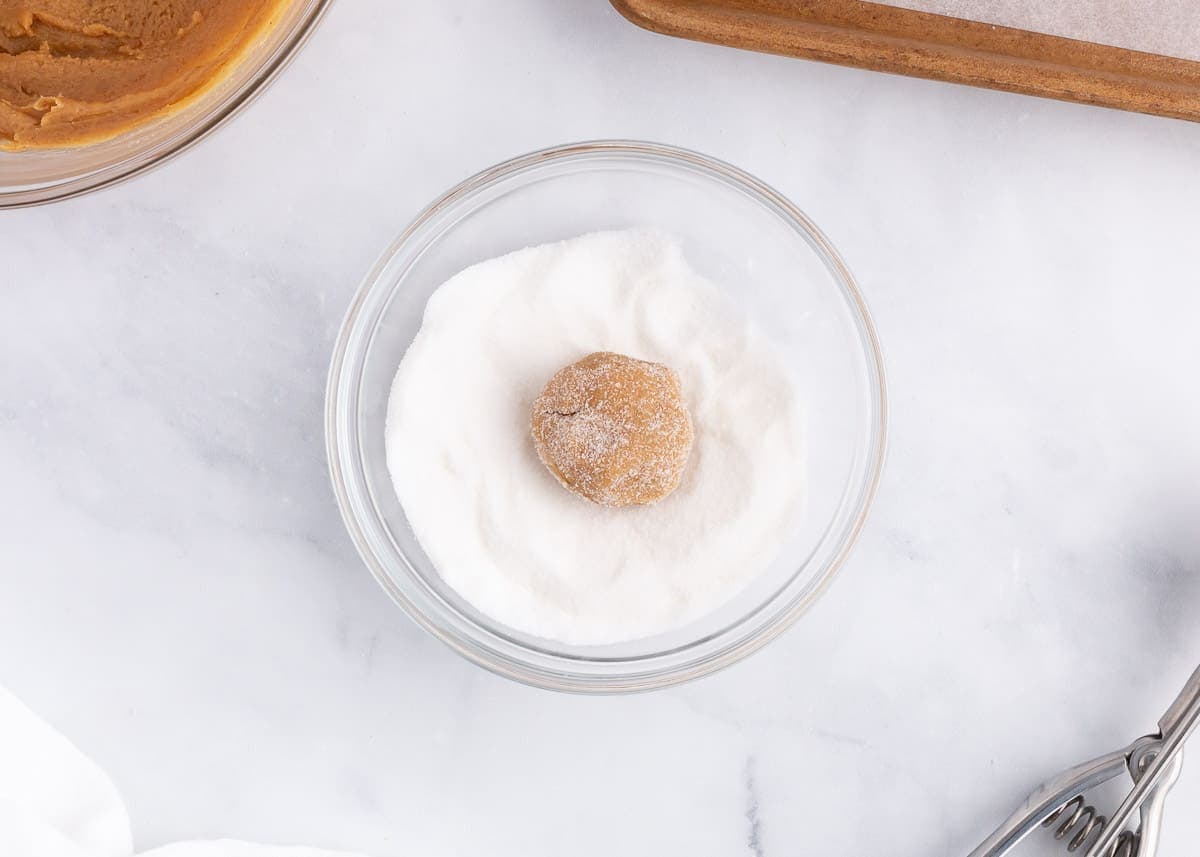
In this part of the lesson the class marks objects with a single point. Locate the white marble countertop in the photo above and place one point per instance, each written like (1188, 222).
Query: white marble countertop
(179, 597)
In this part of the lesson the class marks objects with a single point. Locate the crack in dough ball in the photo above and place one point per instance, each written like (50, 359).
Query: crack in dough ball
(613, 429)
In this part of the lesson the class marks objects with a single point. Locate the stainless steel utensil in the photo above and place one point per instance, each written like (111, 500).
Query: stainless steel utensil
(1153, 762)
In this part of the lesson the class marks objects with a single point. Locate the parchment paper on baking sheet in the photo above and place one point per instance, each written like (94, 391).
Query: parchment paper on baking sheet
(1169, 27)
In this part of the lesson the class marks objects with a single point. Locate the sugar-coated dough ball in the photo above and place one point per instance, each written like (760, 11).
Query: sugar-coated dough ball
(614, 429)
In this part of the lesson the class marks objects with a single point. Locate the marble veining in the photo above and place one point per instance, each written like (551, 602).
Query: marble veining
(753, 820)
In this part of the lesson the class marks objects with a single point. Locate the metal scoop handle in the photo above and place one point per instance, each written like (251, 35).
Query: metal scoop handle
(1177, 724)
(1185, 705)
(1048, 797)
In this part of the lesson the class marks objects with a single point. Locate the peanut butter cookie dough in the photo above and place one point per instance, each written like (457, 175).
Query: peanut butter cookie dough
(79, 71)
(613, 429)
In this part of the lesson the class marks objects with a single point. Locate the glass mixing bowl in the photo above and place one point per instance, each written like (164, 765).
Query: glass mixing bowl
(37, 176)
(743, 236)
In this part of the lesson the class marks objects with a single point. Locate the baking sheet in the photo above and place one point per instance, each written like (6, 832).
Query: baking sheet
(1168, 27)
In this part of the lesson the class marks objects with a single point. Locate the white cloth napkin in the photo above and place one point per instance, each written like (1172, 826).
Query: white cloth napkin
(55, 802)
(53, 799)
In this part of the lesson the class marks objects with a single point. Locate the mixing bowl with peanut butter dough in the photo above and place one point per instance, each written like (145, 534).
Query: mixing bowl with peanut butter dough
(77, 71)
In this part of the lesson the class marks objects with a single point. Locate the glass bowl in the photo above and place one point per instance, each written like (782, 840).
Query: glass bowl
(743, 236)
(35, 176)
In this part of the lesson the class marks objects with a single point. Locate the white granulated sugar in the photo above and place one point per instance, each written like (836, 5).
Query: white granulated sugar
(497, 524)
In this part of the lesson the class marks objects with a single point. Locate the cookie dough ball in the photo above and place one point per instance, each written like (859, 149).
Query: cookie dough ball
(613, 429)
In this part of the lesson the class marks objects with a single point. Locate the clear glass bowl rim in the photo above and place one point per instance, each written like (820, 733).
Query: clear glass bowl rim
(140, 161)
(551, 671)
